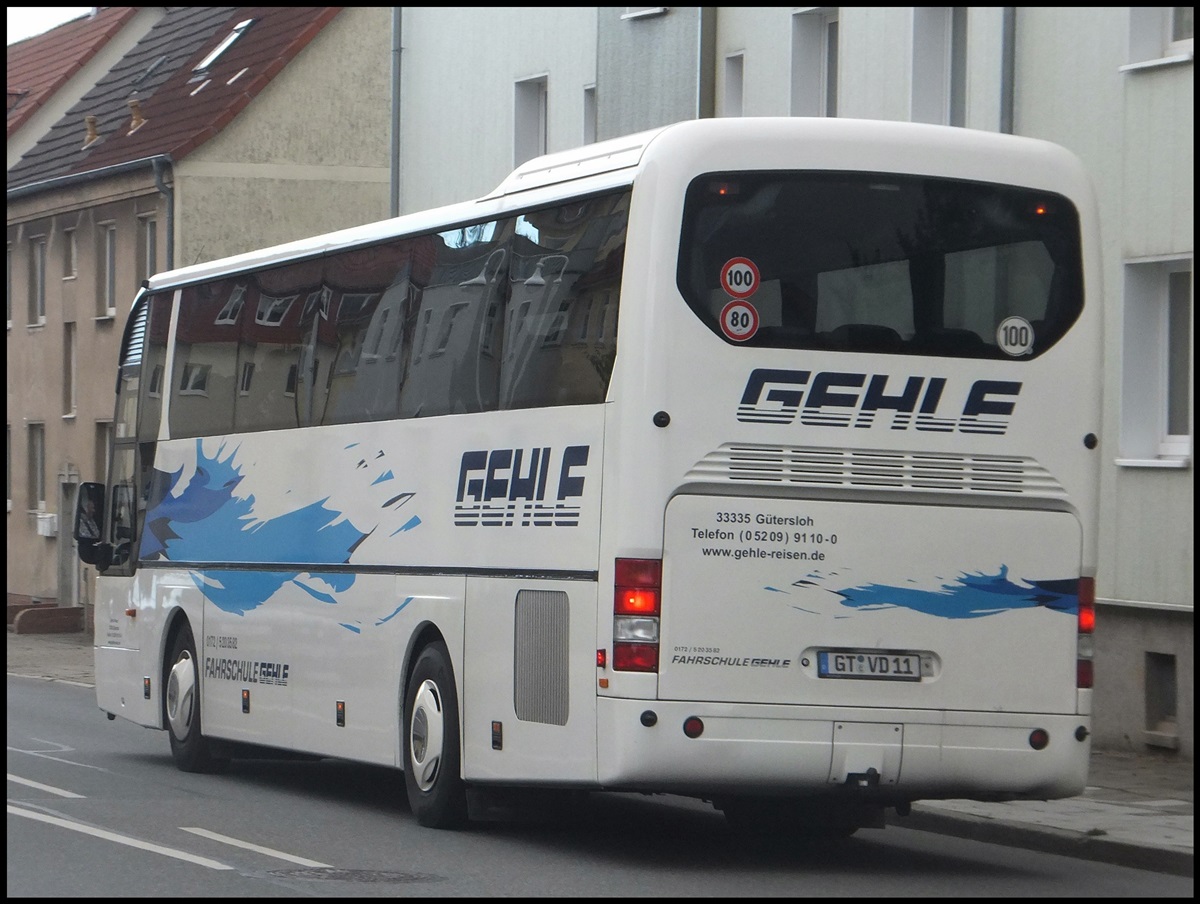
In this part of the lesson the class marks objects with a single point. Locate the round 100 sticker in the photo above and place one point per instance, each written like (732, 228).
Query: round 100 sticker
(739, 320)
(1015, 336)
(739, 277)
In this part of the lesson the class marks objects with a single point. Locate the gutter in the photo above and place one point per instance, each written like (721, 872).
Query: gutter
(160, 163)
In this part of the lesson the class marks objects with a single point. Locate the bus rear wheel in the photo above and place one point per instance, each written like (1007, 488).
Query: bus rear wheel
(191, 750)
(432, 762)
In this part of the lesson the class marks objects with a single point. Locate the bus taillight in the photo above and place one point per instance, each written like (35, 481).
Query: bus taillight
(1085, 646)
(637, 598)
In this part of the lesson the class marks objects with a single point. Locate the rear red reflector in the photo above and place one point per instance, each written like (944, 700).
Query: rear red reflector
(638, 573)
(693, 727)
(1039, 738)
(635, 657)
(1083, 673)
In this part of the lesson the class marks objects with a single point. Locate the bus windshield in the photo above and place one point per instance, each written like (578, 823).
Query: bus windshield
(873, 262)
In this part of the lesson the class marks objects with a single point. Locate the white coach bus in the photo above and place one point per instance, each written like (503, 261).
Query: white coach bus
(753, 460)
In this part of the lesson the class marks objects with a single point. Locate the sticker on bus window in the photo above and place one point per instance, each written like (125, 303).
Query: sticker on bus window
(1014, 335)
(739, 320)
(740, 277)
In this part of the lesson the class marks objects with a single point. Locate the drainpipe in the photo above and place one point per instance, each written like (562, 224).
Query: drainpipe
(160, 164)
(397, 24)
(1008, 39)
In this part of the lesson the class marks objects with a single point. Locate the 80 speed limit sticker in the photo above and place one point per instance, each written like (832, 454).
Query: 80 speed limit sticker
(739, 320)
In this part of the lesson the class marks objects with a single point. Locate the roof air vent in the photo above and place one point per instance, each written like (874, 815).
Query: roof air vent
(138, 120)
(93, 135)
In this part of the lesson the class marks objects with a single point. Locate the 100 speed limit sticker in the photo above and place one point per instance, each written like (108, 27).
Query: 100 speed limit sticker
(740, 279)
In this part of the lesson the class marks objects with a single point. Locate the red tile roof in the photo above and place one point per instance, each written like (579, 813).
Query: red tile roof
(182, 108)
(39, 66)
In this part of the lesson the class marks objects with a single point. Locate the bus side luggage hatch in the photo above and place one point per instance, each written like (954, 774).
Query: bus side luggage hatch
(866, 756)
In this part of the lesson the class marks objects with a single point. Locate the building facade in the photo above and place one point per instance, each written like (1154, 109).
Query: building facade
(461, 95)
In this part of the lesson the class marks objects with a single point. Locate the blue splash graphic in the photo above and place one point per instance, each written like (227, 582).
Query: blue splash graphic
(206, 522)
(969, 596)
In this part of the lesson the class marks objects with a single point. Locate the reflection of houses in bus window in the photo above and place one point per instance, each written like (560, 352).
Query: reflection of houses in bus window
(232, 308)
(247, 377)
(272, 310)
(289, 388)
(448, 318)
(194, 380)
(423, 335)
(156, 379)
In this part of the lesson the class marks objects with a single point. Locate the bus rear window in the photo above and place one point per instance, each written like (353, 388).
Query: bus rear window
(872, 262)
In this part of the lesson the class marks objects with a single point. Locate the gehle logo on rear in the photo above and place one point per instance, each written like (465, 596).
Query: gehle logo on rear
(848, 399)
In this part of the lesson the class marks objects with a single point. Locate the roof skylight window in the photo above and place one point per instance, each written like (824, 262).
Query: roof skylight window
(238, 31)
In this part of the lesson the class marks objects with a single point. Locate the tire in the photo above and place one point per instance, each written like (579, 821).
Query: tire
(432, 761)
(181, 682)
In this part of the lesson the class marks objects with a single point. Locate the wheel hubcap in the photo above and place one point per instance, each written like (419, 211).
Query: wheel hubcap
(181, 695)
(426, 735)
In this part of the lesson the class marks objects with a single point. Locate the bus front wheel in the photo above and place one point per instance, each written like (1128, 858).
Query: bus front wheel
(191, 750)
(432, 773)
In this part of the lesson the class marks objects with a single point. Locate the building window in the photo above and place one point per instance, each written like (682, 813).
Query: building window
(734, 85)
(37, 467)
(1156, 382)
(643, 12)
(529, 119)
(589, 114)
(107, 272)
(104, 440)
(194, 380)
(232, 308)
(70, 254)
(939, 64)
(37, 280)
(147, 249)
(247, 378)
(1160, 35)
(70, 370)
(815, 62)
(272, 310)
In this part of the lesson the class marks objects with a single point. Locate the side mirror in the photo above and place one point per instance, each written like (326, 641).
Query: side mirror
(89, 516)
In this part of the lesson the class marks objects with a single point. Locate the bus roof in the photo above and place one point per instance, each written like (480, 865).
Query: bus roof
(812, 142)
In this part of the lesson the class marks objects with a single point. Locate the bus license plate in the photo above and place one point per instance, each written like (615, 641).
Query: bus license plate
(869, 664)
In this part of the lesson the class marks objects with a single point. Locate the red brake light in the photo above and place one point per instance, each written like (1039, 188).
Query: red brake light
(637, 598)
(1087, 605)
(637, 586)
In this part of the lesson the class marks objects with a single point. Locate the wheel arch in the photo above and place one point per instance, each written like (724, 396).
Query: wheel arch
(425, 634)
(174, 621)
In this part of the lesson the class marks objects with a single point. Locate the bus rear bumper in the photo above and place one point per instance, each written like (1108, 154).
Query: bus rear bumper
(795, 750)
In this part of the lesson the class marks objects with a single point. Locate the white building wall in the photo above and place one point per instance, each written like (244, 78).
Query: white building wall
(459, 69)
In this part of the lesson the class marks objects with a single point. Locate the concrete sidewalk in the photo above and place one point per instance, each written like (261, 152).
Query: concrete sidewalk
(1136, 811)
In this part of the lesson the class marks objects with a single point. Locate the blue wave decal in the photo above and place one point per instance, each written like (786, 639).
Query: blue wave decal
(969, 596)
(206, 522)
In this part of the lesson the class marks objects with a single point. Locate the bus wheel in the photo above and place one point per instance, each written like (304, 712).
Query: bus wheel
(432, 773)
(191, 750)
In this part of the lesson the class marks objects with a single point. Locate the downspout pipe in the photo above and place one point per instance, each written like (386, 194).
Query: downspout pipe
(397, 29)
(162, 163)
